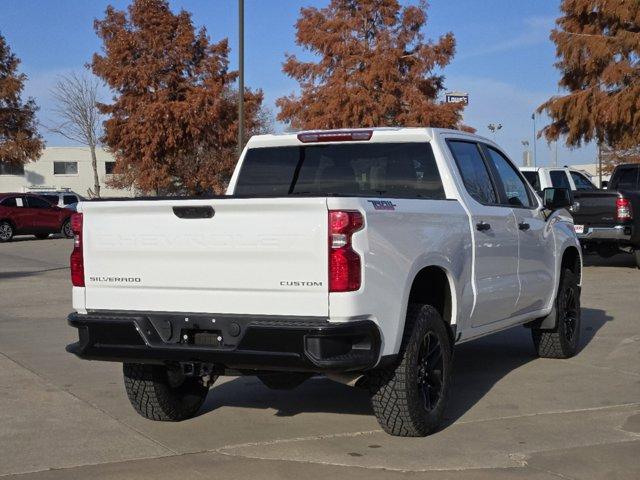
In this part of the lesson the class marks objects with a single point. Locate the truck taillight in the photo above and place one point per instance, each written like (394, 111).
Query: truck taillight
(623, 209)
(77, 257)
(344, 262)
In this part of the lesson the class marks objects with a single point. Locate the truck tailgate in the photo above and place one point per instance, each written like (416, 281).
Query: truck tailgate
(597, 208)
(253, 256)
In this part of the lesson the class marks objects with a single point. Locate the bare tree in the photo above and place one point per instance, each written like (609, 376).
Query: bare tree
(76, 99)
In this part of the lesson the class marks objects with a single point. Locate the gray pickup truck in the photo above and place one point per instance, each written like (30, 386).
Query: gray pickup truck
(607, 222)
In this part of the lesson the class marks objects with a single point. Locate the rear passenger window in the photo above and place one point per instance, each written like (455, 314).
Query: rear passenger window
(533, 178)
(52, 199)
(559, 179)
(515, 188)
(473, 171)
(582, 183)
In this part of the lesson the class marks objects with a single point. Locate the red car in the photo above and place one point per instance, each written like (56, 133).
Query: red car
(28, 214)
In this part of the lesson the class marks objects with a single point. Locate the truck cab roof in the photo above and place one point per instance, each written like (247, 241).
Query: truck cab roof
(378, 134)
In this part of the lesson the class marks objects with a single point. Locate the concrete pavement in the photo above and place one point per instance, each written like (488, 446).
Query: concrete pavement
(512, 415)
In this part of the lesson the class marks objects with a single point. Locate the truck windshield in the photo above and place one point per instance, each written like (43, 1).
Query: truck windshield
(406, 170)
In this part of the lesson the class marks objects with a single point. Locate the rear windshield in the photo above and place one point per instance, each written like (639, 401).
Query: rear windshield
(402, 170)
(629, 179)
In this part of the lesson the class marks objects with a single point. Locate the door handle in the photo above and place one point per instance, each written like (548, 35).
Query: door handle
(523, 226)
(194, 212)
(482, 226)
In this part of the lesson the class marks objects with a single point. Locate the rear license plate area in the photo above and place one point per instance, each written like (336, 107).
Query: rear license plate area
(202, 338)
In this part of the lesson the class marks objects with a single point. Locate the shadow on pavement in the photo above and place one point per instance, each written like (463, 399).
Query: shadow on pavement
(31, 238)
(9, 275)
(479, 365)
(620, 260)
(317, 394)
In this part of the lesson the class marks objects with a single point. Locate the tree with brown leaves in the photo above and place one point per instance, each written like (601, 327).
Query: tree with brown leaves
(173, 124)
(19, 139)
(598, 46)
(374, 69)
(612, 157)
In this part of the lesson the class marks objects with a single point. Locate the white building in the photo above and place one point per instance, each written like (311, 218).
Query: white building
(59, 168)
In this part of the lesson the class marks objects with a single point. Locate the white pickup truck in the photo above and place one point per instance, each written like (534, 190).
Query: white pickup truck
(359, 254)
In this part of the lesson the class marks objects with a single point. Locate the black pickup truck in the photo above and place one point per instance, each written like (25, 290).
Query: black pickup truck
(606, 221)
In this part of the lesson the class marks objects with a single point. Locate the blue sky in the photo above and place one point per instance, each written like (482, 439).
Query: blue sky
(504, 57)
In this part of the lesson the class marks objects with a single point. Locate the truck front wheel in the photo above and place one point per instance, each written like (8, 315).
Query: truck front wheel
(562, 340)
(158, 392)
(409, 397)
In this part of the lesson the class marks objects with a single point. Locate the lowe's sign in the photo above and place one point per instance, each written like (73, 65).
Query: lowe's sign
(457, 97)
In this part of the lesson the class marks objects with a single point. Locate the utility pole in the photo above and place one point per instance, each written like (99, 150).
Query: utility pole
(599, 165)
(240, 76)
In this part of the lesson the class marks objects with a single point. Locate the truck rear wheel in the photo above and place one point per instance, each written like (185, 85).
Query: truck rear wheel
(161, 393)
(409, 397)
(562, 341)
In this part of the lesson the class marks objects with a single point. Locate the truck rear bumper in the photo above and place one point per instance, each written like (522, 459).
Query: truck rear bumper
(620, 233)
(307, 344)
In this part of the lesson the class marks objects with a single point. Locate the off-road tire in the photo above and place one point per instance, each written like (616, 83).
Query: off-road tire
(564, 339)
(65, 230)
(397, 397)
(7, 231)
(42, 236)
(156, 396)
(283, 381)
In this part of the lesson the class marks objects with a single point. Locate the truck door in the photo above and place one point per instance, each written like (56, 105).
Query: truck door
(495, 237)
(536, 264)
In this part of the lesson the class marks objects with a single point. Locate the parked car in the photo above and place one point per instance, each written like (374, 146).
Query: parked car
(364, 255)
(28, 214)
(606, 221)
(60, 198)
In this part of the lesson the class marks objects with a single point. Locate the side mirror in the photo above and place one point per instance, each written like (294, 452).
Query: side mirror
(557, 198)
(604, 185)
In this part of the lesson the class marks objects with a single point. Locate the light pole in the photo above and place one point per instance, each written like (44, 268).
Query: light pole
(494, 127)
(240, 76)
(535, 159)
(526, 158)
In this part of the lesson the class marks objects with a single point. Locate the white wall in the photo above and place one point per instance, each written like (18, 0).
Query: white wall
(40, 173)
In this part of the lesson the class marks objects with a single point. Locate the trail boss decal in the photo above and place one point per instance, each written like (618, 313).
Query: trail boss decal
(382, 204)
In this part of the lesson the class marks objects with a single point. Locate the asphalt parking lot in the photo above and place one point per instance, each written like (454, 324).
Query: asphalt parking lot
(512, 415)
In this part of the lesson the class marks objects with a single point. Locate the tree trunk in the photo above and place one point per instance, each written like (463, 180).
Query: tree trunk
(94, 164)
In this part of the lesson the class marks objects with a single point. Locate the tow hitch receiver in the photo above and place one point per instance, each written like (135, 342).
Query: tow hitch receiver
(196, 369)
